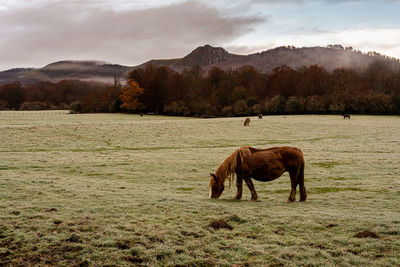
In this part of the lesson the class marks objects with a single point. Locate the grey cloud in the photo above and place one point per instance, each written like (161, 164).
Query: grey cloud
(380, 46)
(307, 30)
(299, 2)
(279, 2)
(45, 32)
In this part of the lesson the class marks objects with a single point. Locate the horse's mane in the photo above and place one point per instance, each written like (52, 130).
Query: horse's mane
(227, 168)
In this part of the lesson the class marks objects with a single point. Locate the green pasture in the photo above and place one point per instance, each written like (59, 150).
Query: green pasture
(125, 190)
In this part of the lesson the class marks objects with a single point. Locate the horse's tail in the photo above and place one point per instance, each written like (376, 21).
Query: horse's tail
(300, 179)
(300, 175)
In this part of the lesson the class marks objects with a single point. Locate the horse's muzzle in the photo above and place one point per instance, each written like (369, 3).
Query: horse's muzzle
(212, 195)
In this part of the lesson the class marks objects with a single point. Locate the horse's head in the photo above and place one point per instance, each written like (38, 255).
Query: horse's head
(216, 186)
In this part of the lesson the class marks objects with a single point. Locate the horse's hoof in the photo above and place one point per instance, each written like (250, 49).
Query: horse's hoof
(303, 197)
(290, 200)
(237, 198)
(254, 200)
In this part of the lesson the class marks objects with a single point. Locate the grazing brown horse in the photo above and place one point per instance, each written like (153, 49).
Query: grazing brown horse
(262, 165)
(260, 116)
(246, 122)
(346, 116)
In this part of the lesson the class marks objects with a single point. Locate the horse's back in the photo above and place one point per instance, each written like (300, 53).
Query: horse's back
(286, 156)
(283, 150)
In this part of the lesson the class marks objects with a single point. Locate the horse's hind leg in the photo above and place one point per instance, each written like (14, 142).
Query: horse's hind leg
(250, 185)
(239, 185)
(293, 183)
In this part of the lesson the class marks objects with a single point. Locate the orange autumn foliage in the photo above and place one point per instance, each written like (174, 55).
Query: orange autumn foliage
(130, 95)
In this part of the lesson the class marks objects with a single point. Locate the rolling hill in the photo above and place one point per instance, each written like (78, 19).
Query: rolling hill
(330, 58)
(67, 70)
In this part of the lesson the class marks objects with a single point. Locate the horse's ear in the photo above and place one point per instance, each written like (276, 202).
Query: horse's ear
(212, 175)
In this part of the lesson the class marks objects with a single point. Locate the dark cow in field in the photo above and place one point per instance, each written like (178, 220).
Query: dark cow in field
(246, 122)
(260, 116)
(346, 116)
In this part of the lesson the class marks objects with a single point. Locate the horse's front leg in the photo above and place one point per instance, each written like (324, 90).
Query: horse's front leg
(250, 185)
(239, 185)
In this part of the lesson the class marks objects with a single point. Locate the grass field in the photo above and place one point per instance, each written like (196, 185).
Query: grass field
(116, 190)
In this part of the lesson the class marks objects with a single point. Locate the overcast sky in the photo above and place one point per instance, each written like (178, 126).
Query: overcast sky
(35, 33)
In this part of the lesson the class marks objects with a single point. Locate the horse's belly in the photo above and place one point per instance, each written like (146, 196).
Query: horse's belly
(267, 175)
(264, 178)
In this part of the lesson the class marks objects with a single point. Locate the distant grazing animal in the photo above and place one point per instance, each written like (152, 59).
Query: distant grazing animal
(346, 116)
(260, 116)
(246, 122)
(262, 165)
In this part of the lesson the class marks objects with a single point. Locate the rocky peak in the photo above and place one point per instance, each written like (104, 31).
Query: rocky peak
(205, 56)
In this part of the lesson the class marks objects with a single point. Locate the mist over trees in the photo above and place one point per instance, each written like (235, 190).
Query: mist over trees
(217, 92)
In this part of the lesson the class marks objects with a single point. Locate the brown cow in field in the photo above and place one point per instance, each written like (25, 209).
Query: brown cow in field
(260, 116)
(346, 116)
(246, 122)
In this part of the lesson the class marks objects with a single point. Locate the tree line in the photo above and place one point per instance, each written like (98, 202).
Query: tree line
(218, 92)
(78, 96)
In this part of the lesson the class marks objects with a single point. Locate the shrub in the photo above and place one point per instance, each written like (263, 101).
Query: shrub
(174, 108)
(34, 106)
(257, 109)
(227, 111)
(396, 104)
(337, 107)
(294, 105)
(315, 104)
(274, 105)
(3, 104)
(75, 107)
(240, 108)
(203, 109)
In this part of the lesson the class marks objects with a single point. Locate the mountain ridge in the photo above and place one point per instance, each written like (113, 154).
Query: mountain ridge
(207, 56)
